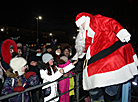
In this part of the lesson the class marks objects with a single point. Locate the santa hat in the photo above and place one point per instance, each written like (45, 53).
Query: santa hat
(17, 63)
(47, 57)
(83, 17)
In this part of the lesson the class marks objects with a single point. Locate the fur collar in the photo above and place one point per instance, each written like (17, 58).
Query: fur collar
(10, 74)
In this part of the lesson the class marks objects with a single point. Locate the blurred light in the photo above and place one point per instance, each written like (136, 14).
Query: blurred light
(40, 17)
(2, 29)
(74, 37)
(134, 83)
(50, 34)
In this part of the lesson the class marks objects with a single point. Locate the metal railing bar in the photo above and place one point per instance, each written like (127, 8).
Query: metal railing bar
(62, 94)
(34, 87)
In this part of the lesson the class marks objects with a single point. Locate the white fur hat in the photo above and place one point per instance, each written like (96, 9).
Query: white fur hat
(47, 57)
(17, 63)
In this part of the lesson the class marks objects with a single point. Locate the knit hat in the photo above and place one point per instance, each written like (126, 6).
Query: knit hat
(48, 46)
(17, 63)
(47, 57)
(55, 47)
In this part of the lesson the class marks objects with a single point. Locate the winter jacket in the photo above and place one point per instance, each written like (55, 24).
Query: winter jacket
(11, 82)
(53, 77)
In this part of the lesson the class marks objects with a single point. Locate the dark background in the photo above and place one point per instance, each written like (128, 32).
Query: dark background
(60, 15)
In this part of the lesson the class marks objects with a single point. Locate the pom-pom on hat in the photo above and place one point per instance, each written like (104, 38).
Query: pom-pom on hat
(17, 63)
(47, 57)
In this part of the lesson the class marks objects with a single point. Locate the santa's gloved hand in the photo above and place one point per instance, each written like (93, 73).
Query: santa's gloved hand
(28, 74)
(18, 89)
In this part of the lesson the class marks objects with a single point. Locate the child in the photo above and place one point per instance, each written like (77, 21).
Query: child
(18, 80)
(52, 73)
(64, 84)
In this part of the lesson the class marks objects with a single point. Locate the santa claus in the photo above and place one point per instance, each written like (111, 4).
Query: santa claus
(110, 59)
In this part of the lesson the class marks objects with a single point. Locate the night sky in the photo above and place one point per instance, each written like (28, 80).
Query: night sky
(57, 15)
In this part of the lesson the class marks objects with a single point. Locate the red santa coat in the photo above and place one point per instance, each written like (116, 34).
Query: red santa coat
(110, 64)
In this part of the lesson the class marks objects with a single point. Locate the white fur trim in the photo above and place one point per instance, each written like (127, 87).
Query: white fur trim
(123, 35)
(87, 23)
(135, 59)
(75, 57)
(110, 78)
(82, 55)
(68, 68)
(80, 21)
(88, 56)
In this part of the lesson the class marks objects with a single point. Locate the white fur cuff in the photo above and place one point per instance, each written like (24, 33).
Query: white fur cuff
(123, 35)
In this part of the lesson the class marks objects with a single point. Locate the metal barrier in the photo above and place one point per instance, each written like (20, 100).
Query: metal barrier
(41, 85)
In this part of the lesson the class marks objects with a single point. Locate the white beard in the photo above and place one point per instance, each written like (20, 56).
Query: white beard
(80, 42)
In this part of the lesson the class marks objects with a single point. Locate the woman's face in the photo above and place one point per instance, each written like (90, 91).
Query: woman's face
(23, 68)
(51, 62)
(66, 52)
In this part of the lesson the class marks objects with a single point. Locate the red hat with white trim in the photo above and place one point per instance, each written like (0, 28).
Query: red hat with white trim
(82, 17)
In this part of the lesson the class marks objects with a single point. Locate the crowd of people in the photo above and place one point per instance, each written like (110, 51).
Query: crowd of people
(22, 67)
(102, 53)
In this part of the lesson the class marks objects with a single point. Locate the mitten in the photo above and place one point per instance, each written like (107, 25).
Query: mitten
(28, 74)
(18, 89)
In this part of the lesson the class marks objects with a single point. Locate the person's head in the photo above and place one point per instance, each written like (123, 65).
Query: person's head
(38, 50)
(48, 61)
(19, 49)
(19, 45)
(64, 58)
(66, 52)
(83, 20)
(56, 49)
(48, 58)
(18, 64)
(8, 47)
(55, 40)
(48, 48)
(11, 49)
